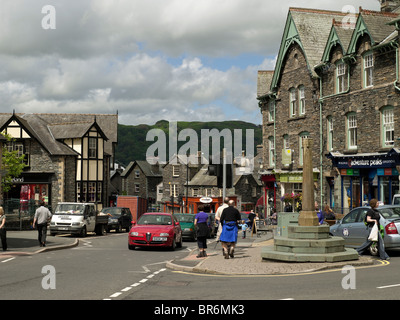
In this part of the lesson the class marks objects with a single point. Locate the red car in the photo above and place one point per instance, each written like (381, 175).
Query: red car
(155, 230)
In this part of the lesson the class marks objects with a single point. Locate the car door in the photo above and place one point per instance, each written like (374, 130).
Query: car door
(345, 229)
(126, 219)
(359, 229)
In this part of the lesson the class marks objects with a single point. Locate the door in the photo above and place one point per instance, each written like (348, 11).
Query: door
(91, 218)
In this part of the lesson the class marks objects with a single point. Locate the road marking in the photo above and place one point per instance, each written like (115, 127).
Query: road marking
(390, 286)
(117, 294)
(8, 260)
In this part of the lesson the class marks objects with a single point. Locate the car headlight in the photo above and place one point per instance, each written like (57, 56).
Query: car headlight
(134, 234)
(76, 223)
(112, 220)
(164, 234)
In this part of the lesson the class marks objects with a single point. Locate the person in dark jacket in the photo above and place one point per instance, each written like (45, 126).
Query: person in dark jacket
(229, 219)
(200, 222)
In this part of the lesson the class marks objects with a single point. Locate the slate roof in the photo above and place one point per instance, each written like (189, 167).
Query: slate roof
(50, 129)
(146, 168)
(264, 82)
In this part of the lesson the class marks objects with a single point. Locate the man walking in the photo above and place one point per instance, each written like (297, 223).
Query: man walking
(218, 216)
(42, 217)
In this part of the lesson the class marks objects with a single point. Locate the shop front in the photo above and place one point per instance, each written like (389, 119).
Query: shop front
(21, 202)
(366, 176)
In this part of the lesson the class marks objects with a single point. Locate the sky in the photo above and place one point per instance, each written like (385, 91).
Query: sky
(148, 60)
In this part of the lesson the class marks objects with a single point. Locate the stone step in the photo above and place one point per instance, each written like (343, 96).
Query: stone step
(270, 253)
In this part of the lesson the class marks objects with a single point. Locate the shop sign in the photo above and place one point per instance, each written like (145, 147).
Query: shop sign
(286, 157)
(387, 172)
(366, 163)
(206, 200)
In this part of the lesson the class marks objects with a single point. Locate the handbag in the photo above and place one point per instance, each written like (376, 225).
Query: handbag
(373, 236)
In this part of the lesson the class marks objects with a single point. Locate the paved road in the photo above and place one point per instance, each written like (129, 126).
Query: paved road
(102, 268)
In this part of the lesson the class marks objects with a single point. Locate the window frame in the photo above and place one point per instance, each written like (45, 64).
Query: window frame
(390, 124)
(368, 70)
(341, 77)
(351, 125)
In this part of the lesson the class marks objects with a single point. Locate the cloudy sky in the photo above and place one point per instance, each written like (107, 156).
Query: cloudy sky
(149, 60)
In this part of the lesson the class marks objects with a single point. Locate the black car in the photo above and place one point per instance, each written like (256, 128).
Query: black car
(118, 218)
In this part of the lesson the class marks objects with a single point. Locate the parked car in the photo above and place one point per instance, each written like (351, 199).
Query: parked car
(396, 199)
(186, 220)
(118, 218)
(354, 231)
(155, 230)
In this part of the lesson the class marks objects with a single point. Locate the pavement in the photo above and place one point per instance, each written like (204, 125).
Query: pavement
(247, 260)
(26, 243)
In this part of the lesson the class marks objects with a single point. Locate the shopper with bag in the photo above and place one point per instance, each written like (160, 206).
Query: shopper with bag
(373, 225)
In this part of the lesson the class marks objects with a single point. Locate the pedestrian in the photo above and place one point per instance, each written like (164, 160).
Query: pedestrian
(3, 232)
(371, 219)
(218, 216)
(328, 213)
(200, 222)
(244, 227)
(229, 219)
(42, 217)
(320, 215)
(251, 219)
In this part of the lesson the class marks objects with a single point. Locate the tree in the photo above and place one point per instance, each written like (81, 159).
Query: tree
(12, 164)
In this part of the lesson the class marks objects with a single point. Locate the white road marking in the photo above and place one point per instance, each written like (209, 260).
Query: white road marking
(117, 294)
(390, 286)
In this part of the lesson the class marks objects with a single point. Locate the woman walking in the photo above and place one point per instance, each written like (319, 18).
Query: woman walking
(373, 218)
(200, 222)
(3, 233)
(229, 219)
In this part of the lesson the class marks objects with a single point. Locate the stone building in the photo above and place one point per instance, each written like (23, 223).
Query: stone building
(141, 178)
(67, 157)
(335, 81)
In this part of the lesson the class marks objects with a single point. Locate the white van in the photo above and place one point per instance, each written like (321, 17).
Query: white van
(77, 218)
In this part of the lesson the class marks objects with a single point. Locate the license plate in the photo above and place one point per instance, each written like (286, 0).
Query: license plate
(160, 238)
(63, 228)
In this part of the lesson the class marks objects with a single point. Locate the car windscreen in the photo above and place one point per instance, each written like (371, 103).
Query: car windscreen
(68, 208)
(185, 218)
(115, 212)
(155, 219)
(390, 213)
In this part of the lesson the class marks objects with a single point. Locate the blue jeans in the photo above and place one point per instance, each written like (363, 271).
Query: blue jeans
(381, 247)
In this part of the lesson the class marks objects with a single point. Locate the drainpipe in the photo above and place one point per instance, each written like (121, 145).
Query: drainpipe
(397, 70)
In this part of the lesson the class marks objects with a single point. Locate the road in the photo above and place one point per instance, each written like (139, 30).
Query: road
(102, 268)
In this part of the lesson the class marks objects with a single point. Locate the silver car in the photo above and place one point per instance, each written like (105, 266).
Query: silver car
(354, 231)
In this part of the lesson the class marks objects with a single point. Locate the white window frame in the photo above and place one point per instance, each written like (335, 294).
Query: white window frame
(341, 72)
(368, 70)
(388, 126)
(271, 111)
(302, 100)
(352, 131)
(271, 151)
(292, 97)
(330, 133)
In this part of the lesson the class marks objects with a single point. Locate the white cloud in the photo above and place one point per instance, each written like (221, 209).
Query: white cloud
(106, 56)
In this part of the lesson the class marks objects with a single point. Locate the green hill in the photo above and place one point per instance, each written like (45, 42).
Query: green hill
(132, 144)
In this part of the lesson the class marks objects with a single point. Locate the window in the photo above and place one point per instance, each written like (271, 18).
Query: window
(271, 151)
(92, 147)
(137, 173)
(368, 70)
(92, 191)
(271, 113)
(137, 188)
(330, 133)
(352, 131)
(388, 126)
(341, 77)
(176, 171)
(292, 92)
(302, 100)
(302, 136)
(286, 144)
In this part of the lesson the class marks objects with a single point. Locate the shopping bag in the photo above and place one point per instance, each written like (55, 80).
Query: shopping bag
(373, 236)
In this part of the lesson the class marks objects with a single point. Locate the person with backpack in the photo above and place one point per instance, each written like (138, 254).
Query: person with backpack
(372, 217)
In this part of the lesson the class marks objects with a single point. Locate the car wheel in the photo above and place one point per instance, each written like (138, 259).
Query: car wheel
(173, 246)
(179, 244)
(119, 228)
(83, 232)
